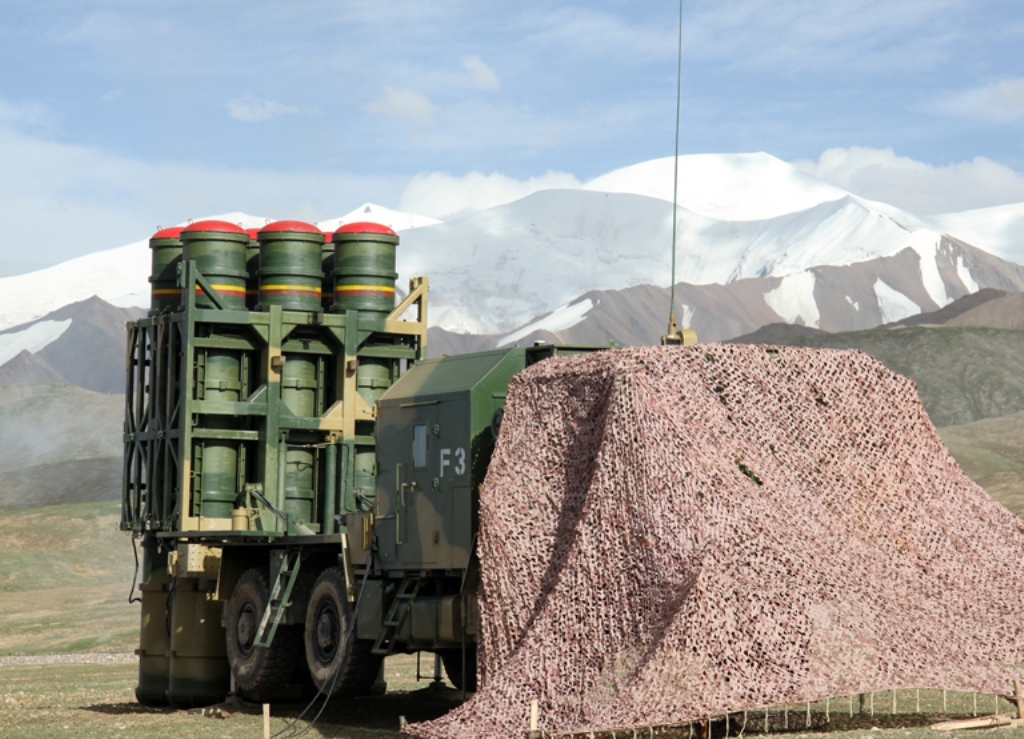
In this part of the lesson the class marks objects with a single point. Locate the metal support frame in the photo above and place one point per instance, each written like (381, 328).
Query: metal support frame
(162, 409)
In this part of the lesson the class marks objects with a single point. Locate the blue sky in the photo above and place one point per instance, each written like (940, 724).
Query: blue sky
(118, 116)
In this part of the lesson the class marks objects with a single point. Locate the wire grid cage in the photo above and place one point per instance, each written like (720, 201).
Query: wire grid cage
(883, 709)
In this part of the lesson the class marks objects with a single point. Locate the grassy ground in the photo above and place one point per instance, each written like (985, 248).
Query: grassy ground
(992, 453)
(96, 701)
(65, 572)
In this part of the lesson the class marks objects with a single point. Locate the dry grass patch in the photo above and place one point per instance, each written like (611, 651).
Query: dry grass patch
(97, 701)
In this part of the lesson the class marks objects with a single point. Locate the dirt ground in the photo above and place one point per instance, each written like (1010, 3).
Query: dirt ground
(97, 700)
(65, 698)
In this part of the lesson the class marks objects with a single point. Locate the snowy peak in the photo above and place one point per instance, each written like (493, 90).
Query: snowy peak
(396, 220)
(730, 187)
(121, 276)
(999, 230)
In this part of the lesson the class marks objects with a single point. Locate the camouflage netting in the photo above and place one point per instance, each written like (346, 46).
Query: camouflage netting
(668, 534)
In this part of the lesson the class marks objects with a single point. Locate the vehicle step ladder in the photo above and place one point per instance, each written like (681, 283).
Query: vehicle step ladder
(280, 597)
(398, 614)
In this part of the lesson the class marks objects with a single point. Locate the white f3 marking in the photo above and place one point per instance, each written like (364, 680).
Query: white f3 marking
(460, 463)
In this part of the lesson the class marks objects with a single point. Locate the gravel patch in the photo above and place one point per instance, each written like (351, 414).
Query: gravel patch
(72, 658)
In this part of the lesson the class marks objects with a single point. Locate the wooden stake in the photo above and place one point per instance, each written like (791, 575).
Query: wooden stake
(266, 721)
(534, 720)
(985, 722)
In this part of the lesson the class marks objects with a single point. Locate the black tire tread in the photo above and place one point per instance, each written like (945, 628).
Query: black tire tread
(361, 666)
(278, 664)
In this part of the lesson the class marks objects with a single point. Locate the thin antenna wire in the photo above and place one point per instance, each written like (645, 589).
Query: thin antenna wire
(675, 176)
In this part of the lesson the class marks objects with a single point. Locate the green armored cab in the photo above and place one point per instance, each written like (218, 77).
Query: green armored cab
(302, 479)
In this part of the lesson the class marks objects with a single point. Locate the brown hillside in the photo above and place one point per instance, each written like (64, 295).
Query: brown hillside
(1005, 312)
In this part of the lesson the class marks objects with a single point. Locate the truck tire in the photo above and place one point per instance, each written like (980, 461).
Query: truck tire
(452, 661)
(258, 668)
(335, 669)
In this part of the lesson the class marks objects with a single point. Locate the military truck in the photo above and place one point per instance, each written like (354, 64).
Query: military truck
(301, 479)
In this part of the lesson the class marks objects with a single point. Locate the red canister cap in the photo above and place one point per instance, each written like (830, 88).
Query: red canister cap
(300, 227)
(213, 227)
(167, 233)
(365, 227)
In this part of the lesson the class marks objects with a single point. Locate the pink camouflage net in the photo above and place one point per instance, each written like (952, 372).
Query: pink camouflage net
(671, 533)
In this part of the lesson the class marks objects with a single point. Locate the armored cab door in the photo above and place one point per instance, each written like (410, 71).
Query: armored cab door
(428, 487)
(423, 484)
(419, 508)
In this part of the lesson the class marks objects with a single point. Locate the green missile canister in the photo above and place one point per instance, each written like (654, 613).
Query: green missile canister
(165, 295)
(199, 671)
(218, 249)
(364, 268)
(154, 637)
(373, 378)
(298, 394)
(216, 460)
(252, 267)
(290, 271)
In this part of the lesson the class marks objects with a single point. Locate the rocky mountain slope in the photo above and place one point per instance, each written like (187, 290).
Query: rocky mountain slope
(80, 344)
(58, 444)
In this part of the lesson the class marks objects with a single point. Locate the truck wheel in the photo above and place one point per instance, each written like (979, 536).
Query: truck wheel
(452, 661)
(334, 668)
(258, 668)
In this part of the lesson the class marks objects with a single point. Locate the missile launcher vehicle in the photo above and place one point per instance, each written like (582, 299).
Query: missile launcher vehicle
(301, 479)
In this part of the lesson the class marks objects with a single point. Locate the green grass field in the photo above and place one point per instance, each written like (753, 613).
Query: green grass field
(992, 453)
(65, 573)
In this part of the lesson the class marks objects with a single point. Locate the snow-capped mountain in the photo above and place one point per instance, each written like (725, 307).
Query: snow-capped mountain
(758, 242)
(725, 187)
(396, 220)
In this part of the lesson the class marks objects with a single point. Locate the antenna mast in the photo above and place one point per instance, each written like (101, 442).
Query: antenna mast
(674, 335)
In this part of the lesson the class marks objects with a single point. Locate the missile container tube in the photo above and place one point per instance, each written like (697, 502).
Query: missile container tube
(302, 480)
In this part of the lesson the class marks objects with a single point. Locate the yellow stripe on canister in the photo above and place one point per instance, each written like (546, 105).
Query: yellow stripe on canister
(291, 290)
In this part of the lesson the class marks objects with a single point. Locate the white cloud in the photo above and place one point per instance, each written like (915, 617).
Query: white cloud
(59, 200)
(999, 102)
(481, 76)
(24, 115)
(251, 109)
(441, 195)
(879, 174)
(405, 105)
